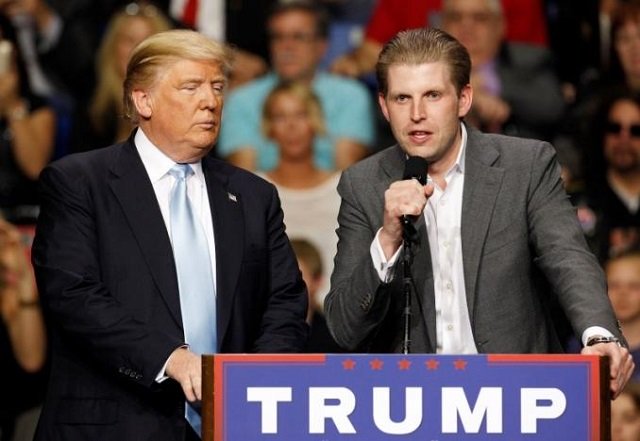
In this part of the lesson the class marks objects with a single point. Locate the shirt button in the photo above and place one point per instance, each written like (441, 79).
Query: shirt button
(448, 285)
(446, 244)
(450, 327)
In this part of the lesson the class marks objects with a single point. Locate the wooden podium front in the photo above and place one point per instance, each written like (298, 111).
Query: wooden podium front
(364, 397)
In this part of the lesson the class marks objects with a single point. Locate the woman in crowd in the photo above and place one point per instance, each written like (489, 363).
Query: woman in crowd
(126, 28)
(22, 335)
(27, 132)
(292, 118)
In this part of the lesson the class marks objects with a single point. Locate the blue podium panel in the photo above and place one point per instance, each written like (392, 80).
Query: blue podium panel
(426, 397)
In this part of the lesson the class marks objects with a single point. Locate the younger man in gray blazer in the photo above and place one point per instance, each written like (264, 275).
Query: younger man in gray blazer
(496, 232)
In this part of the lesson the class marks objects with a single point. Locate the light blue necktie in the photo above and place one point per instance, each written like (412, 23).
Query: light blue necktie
(195, 281)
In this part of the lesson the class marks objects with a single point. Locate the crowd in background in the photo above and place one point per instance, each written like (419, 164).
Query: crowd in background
(302, 106)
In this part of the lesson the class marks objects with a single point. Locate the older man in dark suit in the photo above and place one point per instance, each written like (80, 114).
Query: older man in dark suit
(495, 229)
(150, 252)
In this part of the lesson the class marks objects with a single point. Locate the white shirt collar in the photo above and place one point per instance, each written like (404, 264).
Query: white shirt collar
(459, 164)
(155, 161)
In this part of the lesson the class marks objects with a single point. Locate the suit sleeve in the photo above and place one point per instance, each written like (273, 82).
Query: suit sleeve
(77, 302)
(283, 327)
(358, 301)
(561, 251)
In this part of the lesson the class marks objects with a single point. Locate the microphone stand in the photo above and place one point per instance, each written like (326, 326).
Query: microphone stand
(409, 235)
(416, 168)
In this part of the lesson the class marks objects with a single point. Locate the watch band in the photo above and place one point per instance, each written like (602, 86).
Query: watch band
(601, 339)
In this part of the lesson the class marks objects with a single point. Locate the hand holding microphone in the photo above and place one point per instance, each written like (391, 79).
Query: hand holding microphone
(404, 201)
(416, 169)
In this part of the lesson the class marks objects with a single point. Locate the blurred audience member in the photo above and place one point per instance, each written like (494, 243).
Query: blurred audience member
(525, 23)
(292, 118)
(27, 132)
(622, 71)
(515, 89)
(58, 53)
(625, 414)
(623, 280)
(625, 49)
(310, 263)
(347, 20)
(39, 29)
(613, 174)
(580, 38)
(22, 333)
(105, 123)
(298, 41)
(622, 68)
(240, 24)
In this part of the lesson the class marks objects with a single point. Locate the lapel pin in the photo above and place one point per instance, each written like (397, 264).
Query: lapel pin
(232, 197)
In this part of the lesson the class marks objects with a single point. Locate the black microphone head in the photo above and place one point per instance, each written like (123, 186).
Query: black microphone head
(416, 168)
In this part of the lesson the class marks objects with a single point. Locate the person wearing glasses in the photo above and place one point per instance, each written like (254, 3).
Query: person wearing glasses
(298, 41)
(612, 165)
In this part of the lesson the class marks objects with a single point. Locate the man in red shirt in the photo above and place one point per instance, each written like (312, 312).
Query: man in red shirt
(525, 23)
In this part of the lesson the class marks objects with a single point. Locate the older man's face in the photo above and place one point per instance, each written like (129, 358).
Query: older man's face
(181, 112)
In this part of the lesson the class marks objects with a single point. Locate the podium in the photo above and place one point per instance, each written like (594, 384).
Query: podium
(364, 397)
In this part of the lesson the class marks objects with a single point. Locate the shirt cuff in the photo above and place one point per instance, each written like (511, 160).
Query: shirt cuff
(381, 265)
(162, 373)
(594, 330)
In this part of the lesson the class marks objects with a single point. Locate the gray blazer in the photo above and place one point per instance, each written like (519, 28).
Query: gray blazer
(521, 245)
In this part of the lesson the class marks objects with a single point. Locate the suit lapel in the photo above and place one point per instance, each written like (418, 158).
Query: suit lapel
(131, 186)
(481, 184)
(421, 270)
(228, 230)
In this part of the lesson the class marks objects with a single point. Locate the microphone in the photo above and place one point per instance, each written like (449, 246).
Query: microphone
(414, 168)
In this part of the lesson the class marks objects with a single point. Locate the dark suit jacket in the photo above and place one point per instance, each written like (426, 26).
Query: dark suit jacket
(521, 242)
(531, 87)
(107, 279)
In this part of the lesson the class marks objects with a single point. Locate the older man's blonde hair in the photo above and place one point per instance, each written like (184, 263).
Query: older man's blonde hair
(159, 51)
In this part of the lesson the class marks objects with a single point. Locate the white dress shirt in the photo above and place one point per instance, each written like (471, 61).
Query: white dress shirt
(443, 214)
(157, 165)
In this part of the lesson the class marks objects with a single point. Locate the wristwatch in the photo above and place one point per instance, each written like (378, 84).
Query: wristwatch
(594, 340)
